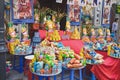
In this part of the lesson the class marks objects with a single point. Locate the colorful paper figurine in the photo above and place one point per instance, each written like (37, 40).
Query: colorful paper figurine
(25, 38)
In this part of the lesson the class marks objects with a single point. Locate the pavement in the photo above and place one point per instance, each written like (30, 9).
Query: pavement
(15, 75)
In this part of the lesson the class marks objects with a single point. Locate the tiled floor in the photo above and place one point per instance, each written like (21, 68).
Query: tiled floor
(14, 75)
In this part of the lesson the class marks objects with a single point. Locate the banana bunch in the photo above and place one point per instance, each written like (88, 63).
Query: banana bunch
(54, 36)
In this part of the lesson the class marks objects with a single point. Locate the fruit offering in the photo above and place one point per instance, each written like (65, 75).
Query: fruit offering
(49, 57)
(75, 62)
(91, 56)
(23, 49)
(64, 53)
(99, 43)
(45, 61)
(100, 46)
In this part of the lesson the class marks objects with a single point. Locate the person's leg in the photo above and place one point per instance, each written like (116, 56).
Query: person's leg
(113, 36)
(116, 35)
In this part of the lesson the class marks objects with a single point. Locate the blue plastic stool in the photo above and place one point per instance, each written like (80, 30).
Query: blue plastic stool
(18, 67)
(44, 77)
(93, 77)
(72, 77)
(47, 78)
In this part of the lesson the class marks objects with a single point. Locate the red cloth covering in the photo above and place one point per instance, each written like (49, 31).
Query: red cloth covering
(109, 70)
(76, 45)
(102, 53)
(61, 33)
(42, 34)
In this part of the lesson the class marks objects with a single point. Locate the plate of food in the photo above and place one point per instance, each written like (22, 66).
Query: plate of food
(29, 57)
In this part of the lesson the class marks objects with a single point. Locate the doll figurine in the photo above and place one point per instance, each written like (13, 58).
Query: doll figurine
(75, 34)
(108, 38)
(36, 16)
(53, 22)
(68, 27)
(85, 38)
(25, 39)
(11, 32)
(53, 18)
(13, 41)
(93, 36)
(101, 37)
(49, 24)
